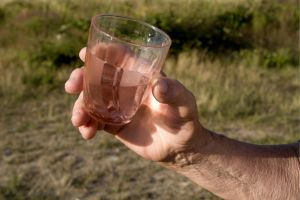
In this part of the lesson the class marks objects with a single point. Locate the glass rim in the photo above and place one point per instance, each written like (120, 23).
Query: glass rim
(98, 28)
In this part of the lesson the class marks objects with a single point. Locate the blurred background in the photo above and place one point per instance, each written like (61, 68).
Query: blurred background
(240, 58)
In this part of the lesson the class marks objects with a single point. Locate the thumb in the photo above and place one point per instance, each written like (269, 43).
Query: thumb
(172, 92)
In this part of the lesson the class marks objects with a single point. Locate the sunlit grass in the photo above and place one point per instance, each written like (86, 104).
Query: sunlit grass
(248, 95)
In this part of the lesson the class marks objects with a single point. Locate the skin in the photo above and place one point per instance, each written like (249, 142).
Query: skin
(166, 129)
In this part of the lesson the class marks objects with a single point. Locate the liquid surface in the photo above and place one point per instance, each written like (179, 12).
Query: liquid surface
(112, 94)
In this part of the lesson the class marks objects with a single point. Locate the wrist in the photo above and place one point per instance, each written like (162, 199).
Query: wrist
(193, 151)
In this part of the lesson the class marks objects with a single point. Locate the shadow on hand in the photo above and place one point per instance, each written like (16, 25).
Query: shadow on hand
(144, 124)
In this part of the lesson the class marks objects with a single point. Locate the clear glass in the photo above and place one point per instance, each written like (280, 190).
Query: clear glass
(122, 57)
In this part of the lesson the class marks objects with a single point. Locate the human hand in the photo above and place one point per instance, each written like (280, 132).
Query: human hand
(166, 122)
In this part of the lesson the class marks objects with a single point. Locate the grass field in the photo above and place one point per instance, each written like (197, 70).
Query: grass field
(247, 86)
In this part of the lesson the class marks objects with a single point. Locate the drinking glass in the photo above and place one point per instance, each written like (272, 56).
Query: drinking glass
(122, 57)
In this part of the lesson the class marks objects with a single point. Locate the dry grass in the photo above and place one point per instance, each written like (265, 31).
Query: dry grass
(242, 97)
(43, 156)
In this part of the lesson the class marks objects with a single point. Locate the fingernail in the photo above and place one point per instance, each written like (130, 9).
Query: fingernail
(163, 86)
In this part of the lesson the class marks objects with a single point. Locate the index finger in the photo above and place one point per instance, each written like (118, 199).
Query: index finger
(75, 83)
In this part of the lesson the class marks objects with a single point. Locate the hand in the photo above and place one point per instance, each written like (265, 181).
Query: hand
(166, 122)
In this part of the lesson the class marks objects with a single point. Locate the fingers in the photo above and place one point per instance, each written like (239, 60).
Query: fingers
(87, 126)
(118, 54)
(75, 83)
(79, 115)
(82, 54)
(89, 130)
(172, 92)
(80, 118)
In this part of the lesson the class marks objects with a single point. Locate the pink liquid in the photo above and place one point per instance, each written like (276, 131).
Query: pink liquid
(112, 94)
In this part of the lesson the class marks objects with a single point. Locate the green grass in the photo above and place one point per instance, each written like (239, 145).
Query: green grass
(250, 91)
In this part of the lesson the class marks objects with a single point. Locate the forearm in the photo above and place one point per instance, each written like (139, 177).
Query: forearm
(237, 170)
